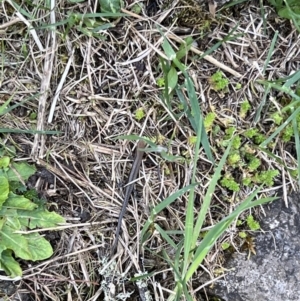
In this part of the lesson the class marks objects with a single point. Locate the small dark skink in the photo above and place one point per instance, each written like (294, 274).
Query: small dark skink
(133, 175)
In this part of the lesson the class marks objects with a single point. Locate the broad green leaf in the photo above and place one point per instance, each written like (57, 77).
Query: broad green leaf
(39, 247)
(4, 162)
(4, 189)
(16, 242)
(169, 51)
(286, 12)
(24, 170)
(39, 218)
(9, 264)
(172, 79)
(19, 202)
(6, 212)
(13, 223)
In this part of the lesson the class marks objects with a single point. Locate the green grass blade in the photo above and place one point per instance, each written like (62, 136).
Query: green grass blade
(189, 220)
(188, 230)
(178, 261)
(262, 104)
(197, 116)
(172, 198)
(18, 8)
(213, 234)
(270, 52)
(292, 79)
(208, 195)
(165, 236)
(283, 88)
(227, 38)
(280, 128)
(5, 109)
(297, 142)
(161, 206)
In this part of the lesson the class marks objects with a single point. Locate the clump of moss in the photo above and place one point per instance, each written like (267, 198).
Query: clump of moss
(218, 82)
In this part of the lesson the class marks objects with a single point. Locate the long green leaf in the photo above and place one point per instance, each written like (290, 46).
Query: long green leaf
(297, 142)
(189, 220)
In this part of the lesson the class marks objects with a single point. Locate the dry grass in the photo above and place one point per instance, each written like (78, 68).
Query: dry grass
(89, 89)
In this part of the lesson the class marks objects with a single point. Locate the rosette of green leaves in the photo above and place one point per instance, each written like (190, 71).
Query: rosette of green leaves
(18, 214)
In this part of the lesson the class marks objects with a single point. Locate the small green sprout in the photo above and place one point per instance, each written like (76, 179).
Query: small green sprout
(242, 234)
(139, 114)
(4, 162)
(288, 133)
(294, 173)
(216, 130)
(229, 132)
(239, 222)
(218, 82)
(209, 120)
(245, 107)
(238, 86)
(33, 116)
(266, 177)
(252, 223)
(277, 117)
(180, 107)
(137, 8)
(251, 133)
(160, 82)
(166, 170)
(192, 140)
(229, 182)
(236, 142)
(225, 245)
(259, 138)
(234, 158)
(254, 163)
(247, 181)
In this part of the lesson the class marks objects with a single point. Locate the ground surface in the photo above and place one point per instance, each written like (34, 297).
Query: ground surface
(107, 79)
